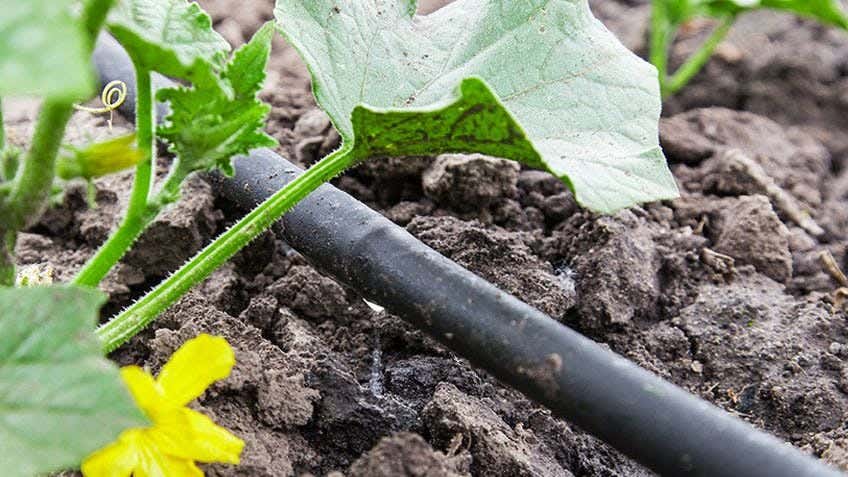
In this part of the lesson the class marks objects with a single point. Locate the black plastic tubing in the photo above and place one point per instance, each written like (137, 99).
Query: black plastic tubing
(651, 420)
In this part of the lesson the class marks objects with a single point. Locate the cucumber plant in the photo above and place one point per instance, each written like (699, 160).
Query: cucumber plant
(541, 82)
(668, 16)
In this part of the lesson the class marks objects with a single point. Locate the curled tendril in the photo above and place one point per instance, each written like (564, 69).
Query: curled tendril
(113, 96)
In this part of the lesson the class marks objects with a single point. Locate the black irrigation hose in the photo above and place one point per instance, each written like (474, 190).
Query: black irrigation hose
(651, 420)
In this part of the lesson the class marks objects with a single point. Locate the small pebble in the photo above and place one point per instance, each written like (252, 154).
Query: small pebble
(697, 367)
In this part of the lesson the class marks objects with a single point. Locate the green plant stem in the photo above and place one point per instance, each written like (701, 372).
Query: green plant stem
(139, 212)
(7, 259)
(2, 128)
(697, 61)
(34, 179)
(132, 320)
(662, 36)
(93, 17)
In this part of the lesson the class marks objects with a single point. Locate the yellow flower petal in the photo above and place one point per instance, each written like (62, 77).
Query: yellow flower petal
(146, 392)
(156, 464)
(188, 434)
(194, 367)
(115, 460)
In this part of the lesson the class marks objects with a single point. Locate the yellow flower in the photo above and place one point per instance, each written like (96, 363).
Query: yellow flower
(179, 436)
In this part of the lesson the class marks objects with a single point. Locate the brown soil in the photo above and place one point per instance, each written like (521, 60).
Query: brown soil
(722, 291)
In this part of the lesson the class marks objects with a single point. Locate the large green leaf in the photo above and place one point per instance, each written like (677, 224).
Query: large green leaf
(173, 37)
(60, 399)
(208, 124)
(42, 50)
(584, 107)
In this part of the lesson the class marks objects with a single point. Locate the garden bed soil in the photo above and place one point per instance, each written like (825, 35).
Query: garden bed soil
(722, 291)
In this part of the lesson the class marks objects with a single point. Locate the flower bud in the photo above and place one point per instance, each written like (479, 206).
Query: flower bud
(99, 159)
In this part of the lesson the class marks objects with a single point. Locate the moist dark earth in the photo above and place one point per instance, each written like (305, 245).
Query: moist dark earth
(723, 291)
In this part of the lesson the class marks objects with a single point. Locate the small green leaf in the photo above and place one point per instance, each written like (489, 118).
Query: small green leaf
(208, 124)
(42, 50)
(60, 399)
(582, 105)
(173, 37)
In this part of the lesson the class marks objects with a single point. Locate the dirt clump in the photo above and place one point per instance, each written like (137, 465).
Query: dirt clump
(468, 182)
(613, 263)
(748, 230)
(488, 252)
(794, 160)
(770, 358)
(408, 455)
(495, 446)
(745, 229)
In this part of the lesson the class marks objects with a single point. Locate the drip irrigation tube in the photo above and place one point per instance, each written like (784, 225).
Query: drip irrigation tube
(653, 421)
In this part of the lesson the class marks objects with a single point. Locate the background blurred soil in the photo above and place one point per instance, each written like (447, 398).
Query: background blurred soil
(722, 291)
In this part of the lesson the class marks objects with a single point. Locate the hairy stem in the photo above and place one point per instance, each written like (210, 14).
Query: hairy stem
(697, 61)
(132, 320)
(139, 213)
